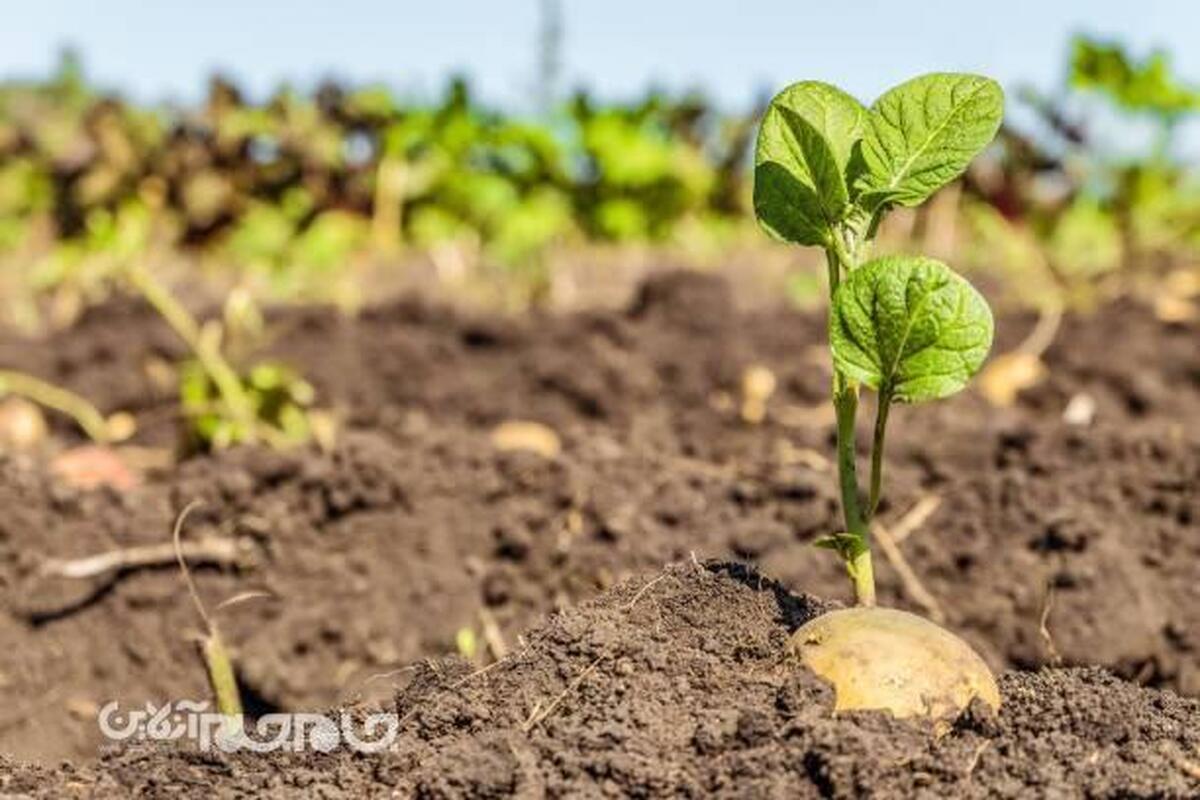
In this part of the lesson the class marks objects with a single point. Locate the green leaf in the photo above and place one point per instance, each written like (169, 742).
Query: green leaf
(787, 208)
(838, 117)
(923, 133)
(804, 145)
(825, 174)
(848, 545)
(910, 328)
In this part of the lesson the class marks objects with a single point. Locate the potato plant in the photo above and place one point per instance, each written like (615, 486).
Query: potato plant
(827, 170)
(265, 402)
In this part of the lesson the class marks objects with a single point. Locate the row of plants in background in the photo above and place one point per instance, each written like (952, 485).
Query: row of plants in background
(1071, 219)
(295, 193)
(294, 189)
(1067, 208)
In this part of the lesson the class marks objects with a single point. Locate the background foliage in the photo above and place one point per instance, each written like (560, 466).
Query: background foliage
(292, 194)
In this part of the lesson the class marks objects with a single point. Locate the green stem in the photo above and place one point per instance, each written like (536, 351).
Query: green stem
(845, 402)
(229, 385)
(53, 397)
(858, 555)
(862, 573)
(221, 676)
(833, 267)
(881, 418)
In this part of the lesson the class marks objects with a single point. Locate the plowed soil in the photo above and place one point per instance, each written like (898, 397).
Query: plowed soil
(1043, 541)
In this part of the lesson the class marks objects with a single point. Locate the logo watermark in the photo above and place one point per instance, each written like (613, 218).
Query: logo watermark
(196, 722)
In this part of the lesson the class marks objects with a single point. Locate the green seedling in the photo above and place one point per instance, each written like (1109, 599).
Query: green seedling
(266, 403)
(827, 171)
(218, 665)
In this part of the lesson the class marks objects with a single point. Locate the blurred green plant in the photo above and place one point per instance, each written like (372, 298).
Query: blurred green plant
(301, 193)
(266, 402)
(1070, 220)
(292, 190)
(1146, 86)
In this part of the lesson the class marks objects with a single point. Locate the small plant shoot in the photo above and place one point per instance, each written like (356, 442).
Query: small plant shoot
(827, 171)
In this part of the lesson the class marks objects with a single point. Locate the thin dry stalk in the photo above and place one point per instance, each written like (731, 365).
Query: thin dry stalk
(704, 468)
(917, 516)
(539, 715)
(481, 671)
(223, 552)
(1044, 625)
(492, 635)
(650, 584)
(217, 662)
(1044, 330)
(238, 599)
(357, 692)
(974, 762)
(913, 587)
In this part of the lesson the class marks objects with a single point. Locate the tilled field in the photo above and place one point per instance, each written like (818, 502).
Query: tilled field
(415, 527)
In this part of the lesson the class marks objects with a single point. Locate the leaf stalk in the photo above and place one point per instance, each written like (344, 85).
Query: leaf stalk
(86, 415)
(841, 256)
(881, 419)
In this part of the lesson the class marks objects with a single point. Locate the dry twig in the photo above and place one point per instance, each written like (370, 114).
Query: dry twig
(913, 587)
(629, 606)
(1044, 626)
(917, 516)
(221, 551)
(492, 635)
(539, 715)
(974, 762)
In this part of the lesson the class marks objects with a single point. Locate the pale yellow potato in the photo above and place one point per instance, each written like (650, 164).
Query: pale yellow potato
(22, 425)
(885, 659)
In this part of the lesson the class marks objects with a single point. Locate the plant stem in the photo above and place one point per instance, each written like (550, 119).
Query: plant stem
(858, 557)
(221, 676)
(228, 384)
(881, 418)
(387, 219)
(833, 266)
(53, 397)
(845, 402)
(217, 663)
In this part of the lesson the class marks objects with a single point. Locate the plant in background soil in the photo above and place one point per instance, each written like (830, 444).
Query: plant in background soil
(827, 170)
(266, 403)
(218, 663)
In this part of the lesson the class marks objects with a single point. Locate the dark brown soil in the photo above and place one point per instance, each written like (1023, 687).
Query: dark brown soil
(377, 554)
(650, 691)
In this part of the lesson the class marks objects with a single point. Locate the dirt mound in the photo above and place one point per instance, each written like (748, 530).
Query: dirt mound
(650, 691)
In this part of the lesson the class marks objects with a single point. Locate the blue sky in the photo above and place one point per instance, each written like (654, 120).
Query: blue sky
(159, 49)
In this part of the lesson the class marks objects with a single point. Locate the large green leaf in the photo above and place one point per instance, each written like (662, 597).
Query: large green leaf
(923, 133)
(804, 145)
(910, 328)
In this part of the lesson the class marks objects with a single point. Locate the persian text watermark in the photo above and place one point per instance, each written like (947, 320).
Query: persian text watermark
(194, 721)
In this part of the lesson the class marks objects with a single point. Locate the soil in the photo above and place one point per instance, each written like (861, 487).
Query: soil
(648, 691)
(1049, 541)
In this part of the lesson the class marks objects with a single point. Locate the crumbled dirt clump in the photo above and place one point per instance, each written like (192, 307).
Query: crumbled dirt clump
(673, 685)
